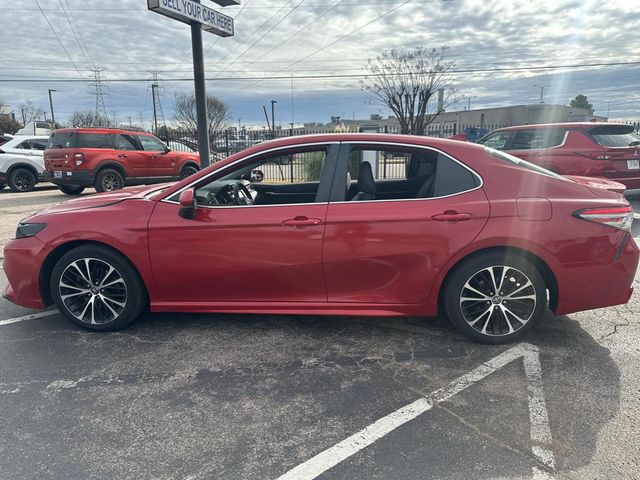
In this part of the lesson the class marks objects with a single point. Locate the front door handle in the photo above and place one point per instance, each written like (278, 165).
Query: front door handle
(302, 222)
(451, 216)
(123, 155)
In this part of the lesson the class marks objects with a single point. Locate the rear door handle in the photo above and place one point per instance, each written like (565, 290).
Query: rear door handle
(451, 216)
(123, 155)
(302, 222)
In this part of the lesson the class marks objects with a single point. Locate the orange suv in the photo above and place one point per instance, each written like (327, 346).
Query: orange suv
(109, 159)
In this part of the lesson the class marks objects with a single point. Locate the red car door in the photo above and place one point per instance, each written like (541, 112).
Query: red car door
(256, 253)
(159, 162)
(387, 250)
(130, 156)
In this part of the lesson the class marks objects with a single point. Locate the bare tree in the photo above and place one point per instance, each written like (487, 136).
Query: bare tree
(30, 112)
(408, 81)
(218, 114)
(88, 118)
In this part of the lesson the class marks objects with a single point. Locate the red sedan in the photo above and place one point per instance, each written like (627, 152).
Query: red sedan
(336, 224)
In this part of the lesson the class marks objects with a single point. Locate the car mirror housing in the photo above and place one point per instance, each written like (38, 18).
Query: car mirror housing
(187, 201)
(257, 176)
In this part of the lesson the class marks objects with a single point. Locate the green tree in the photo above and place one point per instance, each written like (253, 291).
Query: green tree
(581, 101)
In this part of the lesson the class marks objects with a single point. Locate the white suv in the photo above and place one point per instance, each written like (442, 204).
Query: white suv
(21, 162)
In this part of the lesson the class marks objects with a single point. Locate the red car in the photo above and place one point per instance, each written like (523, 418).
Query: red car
(606, 150)
(108, 159)
(428, 226)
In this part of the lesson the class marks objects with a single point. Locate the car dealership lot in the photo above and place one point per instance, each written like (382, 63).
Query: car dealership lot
(241, 396)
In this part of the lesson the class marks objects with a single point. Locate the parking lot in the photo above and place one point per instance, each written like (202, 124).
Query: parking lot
(189, 396)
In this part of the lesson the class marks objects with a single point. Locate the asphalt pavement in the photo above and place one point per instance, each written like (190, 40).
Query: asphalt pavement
(186, 396)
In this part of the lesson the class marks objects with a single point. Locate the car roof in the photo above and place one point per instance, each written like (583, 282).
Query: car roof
(21, 138)
(101, 130)
(581, 125)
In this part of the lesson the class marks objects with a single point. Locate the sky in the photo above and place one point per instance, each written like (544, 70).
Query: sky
(55, 40)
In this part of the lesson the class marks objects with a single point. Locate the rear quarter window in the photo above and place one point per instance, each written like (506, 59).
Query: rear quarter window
(95, 140)
(451, 178)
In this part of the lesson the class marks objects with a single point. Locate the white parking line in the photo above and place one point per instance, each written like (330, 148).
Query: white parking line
(540, 431)
(33, 316)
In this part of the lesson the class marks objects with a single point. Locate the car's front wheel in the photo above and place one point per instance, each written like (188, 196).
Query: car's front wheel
(22, 180)
(97, 288)
(2, 185)
(495, 298)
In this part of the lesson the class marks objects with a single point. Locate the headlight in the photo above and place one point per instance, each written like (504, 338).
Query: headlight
(29, 229)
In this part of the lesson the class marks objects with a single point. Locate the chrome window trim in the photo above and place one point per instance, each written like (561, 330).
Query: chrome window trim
(350, 142)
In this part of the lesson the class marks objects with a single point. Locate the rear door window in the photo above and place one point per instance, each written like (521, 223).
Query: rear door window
(126, 142)
(537, 138)
(96, 140)
(615, 135)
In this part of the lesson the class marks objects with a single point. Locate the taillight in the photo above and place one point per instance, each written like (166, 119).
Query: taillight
(617, 217)
(78, 158)
(598, 155)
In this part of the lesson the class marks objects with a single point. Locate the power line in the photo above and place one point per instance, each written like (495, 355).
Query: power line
(82, 49)
(264, 35)
(312, 77)
(57, 38)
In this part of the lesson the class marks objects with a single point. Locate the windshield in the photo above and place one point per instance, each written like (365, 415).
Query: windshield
(615, 135)
(505, 157)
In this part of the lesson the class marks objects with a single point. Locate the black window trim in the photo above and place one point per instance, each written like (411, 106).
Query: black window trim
(337, 190)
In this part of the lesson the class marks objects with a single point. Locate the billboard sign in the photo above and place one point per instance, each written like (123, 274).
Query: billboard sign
(187, 11)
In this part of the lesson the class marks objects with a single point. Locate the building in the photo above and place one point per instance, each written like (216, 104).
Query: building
(485, 119)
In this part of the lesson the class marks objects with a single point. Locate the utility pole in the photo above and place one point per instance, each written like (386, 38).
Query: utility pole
(130, 126)
(273, 117)
(200, 91)
(155, 113)
(541, 87)
(53, 118)
(264, 109)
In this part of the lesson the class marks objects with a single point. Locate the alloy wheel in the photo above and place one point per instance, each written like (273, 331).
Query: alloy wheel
(110, 182)
(23, 181)
(93, 291)
(498, 300)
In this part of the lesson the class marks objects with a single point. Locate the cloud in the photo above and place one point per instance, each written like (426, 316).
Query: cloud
(131, 42)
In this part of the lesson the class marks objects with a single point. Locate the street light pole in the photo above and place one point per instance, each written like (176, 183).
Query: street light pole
(53, 118)
(541, 87)
(273, 117)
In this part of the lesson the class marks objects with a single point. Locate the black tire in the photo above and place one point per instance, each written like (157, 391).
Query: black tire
(22, 180)
(489, 316)
(71, 190)
(113, 307)
(109, 180)
(2, 185)
(187, 171)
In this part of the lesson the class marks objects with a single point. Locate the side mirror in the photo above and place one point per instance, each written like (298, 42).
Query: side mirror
(257, 176)
(187, 204)
(166, 149)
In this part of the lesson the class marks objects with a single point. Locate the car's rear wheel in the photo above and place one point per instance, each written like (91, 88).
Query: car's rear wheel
(187, 171)
(495, 298)
(70, 190)
(97, 288)
(109, 180)
(22, 180)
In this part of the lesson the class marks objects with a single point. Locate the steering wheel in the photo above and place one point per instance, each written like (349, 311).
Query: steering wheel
(241, 195)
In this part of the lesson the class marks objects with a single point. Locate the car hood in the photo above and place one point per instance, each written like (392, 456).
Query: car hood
(598, 182)
(104, 199)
